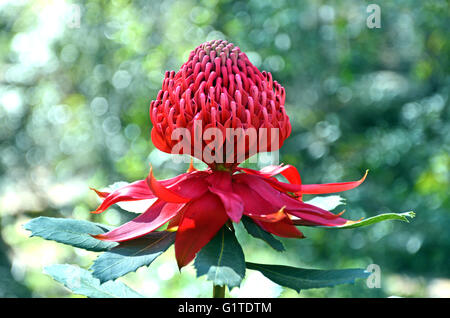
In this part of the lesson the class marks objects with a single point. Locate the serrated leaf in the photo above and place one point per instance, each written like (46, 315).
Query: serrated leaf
(130, 255)
(301, 278)
(81, 282)
(328, 203)
(222, 260)
(375, 219)
(71, 232)
(254, 230)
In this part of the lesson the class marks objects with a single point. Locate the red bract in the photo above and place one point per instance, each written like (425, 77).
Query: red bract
(198, 203)
(218, 87)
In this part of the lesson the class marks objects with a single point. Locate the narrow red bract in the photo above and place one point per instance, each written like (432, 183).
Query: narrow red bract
(220, 86)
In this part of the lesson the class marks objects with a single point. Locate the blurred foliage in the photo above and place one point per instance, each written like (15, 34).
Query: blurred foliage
(74, 113)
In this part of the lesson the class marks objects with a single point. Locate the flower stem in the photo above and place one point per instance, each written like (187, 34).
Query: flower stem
(218, 291)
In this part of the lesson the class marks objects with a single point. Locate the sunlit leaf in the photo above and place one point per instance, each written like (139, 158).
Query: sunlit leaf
(81, 282)
(328, 203)
(71, 232)
(375, 219)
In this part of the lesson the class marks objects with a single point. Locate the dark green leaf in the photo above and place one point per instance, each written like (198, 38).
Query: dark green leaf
(72, 232)
(375, 219)
(130, 255)
(301, 278)
(222, 260)
(80, 281)
(254, 230)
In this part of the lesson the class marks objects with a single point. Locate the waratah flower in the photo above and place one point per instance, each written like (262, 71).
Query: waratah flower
(198, 203)
(219, 85)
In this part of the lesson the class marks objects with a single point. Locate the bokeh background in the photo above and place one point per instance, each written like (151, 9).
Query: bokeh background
(74, 104)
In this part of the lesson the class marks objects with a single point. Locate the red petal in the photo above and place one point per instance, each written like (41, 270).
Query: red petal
(313, 215)
(175, 221)
(301, 222)
(288, 171)
(283, 228)
(260, 198)
(282, 186)
(331, 187)
(159, 142)
(254, 204)
(292, 175)
(271, 217)
(101, 194)
(192, 185)
(158, 214)
(137, 190)
(221, 186)
(258, 185)
(202, 219)
(162, 192)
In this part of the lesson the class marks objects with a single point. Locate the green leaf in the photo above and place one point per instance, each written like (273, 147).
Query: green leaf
(375, 219)
(328, 203)
(130, 255)
(81, 282)
(254, 230)
(301, 278)
(222, 260)
(68, 231)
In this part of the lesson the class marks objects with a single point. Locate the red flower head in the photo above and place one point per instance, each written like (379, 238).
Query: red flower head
(221, 87)
(218, 87)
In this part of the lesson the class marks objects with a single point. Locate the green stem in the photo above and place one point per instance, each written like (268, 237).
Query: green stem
(218, 291)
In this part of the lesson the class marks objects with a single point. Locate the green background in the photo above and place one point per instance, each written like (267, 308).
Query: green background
(74, 105)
